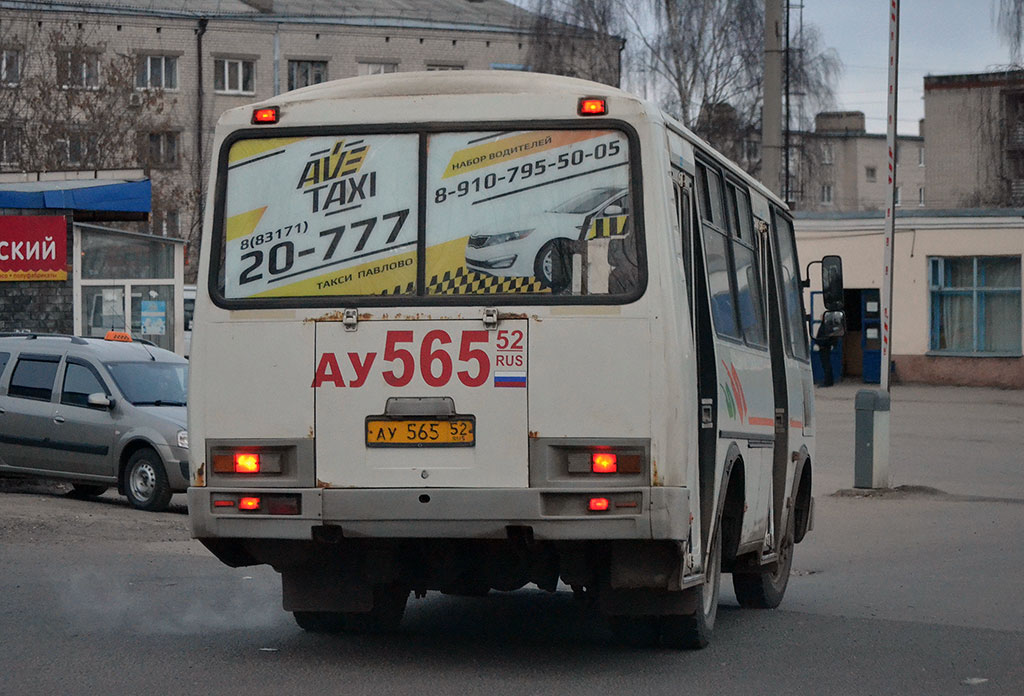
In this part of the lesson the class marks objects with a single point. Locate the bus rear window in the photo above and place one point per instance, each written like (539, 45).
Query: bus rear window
(529, 212)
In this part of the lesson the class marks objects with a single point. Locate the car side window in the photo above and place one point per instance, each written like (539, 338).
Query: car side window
(79, 382)
(33, 377)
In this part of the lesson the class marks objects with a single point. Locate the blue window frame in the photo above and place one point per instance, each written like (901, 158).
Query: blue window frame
(975, 305)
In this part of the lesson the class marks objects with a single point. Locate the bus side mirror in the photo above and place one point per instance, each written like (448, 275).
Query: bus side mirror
(833, 325)
(832, 283)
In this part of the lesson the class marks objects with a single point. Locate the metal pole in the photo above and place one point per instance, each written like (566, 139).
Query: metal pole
(871, 439)
(771, 119)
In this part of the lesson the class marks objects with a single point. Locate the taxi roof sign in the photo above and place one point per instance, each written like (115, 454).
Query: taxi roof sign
(122, 336)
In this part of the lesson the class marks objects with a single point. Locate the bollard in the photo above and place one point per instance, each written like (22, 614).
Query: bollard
(871, 448)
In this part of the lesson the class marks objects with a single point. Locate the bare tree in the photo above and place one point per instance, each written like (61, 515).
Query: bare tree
(701, 60)
(580, 38)
(69, 104)
(1009, 20)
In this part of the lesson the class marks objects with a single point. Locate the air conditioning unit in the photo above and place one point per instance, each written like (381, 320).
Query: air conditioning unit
(135, 99)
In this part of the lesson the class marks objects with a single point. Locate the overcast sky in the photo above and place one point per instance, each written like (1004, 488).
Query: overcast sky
(937, 37)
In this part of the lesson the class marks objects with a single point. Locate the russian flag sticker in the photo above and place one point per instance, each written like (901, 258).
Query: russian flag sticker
(510, 379)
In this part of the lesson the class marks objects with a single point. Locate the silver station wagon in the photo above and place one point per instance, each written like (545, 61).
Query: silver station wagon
(95, 412)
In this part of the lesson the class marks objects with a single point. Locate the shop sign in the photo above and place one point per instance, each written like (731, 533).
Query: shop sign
(33, 247)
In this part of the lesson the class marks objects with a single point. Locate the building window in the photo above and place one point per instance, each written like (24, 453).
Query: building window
(10, 146)
(165, 223)
(826, 153)
(377, 68)
(920, 156)
(897, 199)
(871, 174)
(10, 67)
(975, 304)
(920, 196)
(157, 72)
(163, 150)
(437, 67)
(80, 148)
(234, 76)
(303, 73)
(78, 69)
(826, 194)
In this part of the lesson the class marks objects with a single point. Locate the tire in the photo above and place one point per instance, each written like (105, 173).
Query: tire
(386, 616)
(765, 590)
(692, 632)
(550, 267)
(87, 490)
(145, 481)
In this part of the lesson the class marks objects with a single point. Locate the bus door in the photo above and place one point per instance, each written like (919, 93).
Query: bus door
(781, 464)
(743, 374)
(799, 381)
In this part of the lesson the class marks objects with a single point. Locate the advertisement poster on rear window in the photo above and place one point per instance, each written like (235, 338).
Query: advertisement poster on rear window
(321, 216)
(529, 211)
(542, 211)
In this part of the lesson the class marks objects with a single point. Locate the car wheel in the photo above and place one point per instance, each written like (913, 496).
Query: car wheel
(765, 590)
(693, 631)
(87, 490)
(551, 267)
(145, 481)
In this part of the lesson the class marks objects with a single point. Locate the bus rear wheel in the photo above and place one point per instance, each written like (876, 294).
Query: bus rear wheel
(693, 631)
(766, 589)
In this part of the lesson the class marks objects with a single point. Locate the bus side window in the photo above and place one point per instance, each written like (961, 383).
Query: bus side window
(682, 227)
(749, 288)
(789, 279)
(716, 253)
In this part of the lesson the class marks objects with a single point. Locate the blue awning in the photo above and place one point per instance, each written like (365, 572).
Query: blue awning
(90, 194)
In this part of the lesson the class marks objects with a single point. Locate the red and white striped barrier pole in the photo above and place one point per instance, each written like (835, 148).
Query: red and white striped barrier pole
(890, 208)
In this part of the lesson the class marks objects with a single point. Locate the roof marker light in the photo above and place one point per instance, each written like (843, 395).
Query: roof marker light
(266, 115)
(122, 336)
(590, 106)
(604, 463)
(597, 504)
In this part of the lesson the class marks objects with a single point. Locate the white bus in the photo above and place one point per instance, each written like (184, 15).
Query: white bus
(468, 331)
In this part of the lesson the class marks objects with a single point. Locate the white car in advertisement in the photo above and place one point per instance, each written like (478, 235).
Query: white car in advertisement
(539, 247)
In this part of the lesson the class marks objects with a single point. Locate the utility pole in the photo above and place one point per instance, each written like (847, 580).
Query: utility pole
(771, 116)
(871, 456)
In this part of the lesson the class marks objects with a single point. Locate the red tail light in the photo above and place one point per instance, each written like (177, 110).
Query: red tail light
(598, 504)
(247, 463)
(604, 463)
(249, 504)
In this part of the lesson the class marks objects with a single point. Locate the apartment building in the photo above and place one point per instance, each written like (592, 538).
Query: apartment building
(976, 139)
(840, 167)
(101, 84)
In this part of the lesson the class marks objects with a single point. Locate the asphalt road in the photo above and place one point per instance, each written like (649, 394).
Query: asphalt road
(914, 592)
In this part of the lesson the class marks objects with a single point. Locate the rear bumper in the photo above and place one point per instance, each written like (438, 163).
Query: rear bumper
(655, 513)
